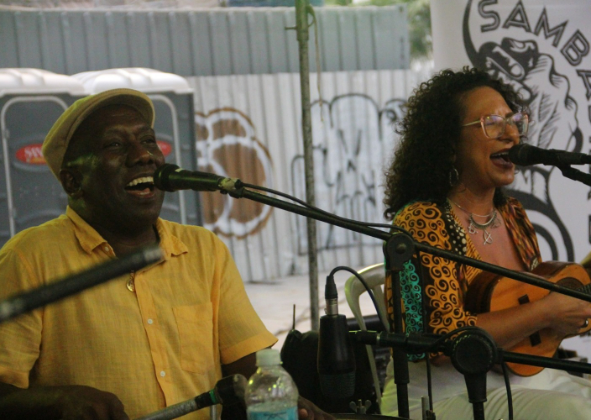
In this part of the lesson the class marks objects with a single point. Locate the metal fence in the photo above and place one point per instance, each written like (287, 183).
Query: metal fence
(208, 42)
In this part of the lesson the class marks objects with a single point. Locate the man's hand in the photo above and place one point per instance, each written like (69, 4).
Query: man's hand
(61, 403)
(83, 402)
(307, 410)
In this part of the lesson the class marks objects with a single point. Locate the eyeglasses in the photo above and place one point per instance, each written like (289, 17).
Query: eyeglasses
(494, 125)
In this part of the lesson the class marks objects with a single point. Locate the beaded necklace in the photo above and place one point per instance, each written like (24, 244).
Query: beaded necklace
(492, 222)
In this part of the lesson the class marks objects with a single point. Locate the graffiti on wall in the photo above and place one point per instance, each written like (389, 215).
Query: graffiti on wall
(228, 146)
(352, 140)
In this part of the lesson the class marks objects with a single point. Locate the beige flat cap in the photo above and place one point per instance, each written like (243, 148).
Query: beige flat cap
(58, 138)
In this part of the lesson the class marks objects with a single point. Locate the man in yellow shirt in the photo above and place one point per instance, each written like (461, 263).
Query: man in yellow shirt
(138, 343)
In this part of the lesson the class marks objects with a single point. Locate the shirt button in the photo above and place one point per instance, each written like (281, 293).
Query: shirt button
(162, 373)
(150, 321)
(107, 249)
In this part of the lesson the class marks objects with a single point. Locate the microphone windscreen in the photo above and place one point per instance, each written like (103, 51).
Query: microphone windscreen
(231, 389)
(521, 154)
(162, 175)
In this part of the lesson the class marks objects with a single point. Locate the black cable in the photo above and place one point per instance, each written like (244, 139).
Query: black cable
(303, 203)
(507, 386)
(369, 291)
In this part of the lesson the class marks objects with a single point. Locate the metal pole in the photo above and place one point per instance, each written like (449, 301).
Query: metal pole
(302, 7)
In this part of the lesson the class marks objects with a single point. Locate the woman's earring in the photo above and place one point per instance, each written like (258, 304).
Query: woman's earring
(454, 176)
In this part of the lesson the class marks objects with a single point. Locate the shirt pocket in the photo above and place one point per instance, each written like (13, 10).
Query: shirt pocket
(195, 326)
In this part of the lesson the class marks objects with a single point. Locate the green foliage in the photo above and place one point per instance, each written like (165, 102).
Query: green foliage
(419, 16)
(419, 22)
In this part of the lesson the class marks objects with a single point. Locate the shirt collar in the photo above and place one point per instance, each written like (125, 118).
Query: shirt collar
(170, 244)
(89, 239)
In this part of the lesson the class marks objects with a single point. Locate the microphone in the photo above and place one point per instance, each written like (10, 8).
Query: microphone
(70, 285)
(473, 354)
(336, 360)
(525, 155)
(229, 390)
(171, 178)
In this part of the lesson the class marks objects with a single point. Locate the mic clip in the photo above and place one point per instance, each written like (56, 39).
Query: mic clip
(231, 186)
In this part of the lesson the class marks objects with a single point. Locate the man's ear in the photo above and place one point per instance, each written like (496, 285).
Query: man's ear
(71, 182)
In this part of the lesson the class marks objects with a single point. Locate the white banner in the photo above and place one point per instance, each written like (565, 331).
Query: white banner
(542, 48)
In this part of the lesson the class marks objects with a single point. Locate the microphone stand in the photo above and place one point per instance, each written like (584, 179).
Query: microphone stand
(575, 174)
(399, 248)
(227, 391)
(70, 285)
(472, 351)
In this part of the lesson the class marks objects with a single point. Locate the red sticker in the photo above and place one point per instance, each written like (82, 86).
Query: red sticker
(31, 154)
(165, 147)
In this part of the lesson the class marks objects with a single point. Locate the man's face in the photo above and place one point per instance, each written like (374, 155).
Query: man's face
(114, 155)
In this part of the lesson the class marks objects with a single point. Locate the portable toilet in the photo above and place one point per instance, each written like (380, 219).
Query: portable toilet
(31, 100)
(174, 125)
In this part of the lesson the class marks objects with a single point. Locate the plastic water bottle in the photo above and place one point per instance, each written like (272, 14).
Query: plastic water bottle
(271, 393)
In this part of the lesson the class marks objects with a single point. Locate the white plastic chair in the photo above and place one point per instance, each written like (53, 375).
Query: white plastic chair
(374, 276)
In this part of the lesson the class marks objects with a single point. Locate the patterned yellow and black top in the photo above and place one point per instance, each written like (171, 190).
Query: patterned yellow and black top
(443, 282)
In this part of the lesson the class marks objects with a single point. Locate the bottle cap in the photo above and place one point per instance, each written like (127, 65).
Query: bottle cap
(268, 357)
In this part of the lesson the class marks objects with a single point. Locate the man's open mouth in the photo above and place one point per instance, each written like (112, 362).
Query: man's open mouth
(143, 184)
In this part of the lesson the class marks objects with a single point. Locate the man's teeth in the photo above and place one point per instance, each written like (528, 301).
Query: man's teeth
(142, 180)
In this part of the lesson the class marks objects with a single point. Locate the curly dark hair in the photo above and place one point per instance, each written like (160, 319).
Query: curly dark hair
(430, 130)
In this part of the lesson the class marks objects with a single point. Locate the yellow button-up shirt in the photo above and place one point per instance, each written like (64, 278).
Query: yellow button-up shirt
(156, 346)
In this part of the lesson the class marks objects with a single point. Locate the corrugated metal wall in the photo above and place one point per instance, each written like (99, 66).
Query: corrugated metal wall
(206, 42)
